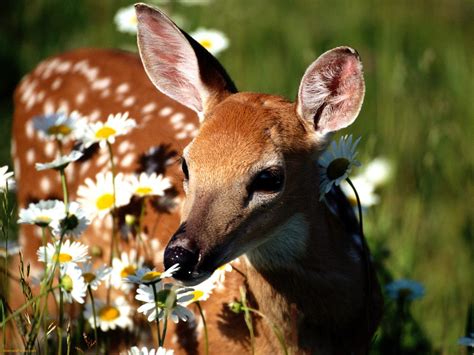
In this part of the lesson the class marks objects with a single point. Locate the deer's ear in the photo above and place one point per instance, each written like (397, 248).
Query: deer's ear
(332, 90)
(177, 65)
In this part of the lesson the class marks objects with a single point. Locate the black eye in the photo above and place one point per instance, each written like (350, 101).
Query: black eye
(268, 181)
(184, 167)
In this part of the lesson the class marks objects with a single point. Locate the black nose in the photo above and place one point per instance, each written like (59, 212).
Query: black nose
(187, 260)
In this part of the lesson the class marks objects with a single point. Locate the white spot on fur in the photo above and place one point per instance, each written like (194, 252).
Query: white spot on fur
(123, 147)
(45, 185)
(165, 111)
(94, 115)
(189, 127)
(127, 160)
(63, 106)
(177, 117)
(56, 84)
(122, 88)
(84, 167)
(179, 125)
(16, 163)
(181, 135)
(155, 245)
(129, 101)
(194, 133)
(63, 67)
(105, 93)
(103, 158)
(29, 130)
(81, 97)
(48, 107)
(149, 107)
(49, 149)
(30, 156)
(101, 84)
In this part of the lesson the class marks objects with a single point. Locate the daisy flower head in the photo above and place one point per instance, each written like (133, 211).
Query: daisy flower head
(168, 298)
(149, 184)
(58, 125)
(406, 289)
(9, 248)
(116, 314)
(73, 285)
(70, 253)
(214, 41)
(135, 350)
(378, 171)
(6, 179)
(74, 224)
(43, 213)
(365, 190)
(94, 277)
(106, 132)
(60, 162)
(147, 276)
(125, 266)
(467, 341)
(126, 20)
(98, 197)
(336, 163)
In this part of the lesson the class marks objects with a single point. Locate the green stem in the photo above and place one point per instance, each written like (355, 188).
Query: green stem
(60, 319)
(155, 296)
(45, 306)
(95, 319)
(140, 227)
(206, 336)
(113, 244)
(248, 318)
(65, 190)
(165, 327)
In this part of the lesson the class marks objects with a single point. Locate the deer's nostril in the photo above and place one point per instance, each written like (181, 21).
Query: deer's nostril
(187, 260)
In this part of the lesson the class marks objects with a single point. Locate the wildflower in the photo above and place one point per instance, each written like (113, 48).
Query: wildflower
(92, 277)
(134, 350)
(110, 316)
(214, 41)
(122, 267)
(149, 184)
(6, 179)
(147, 276)
(126, 20)
(8, 248)
(74, 224)
(106, 132)
(378, 171)
(336, 163)
(406, 289)
(98, 197)
(74, 252)
(58, 125)
(72, 283)
(167, 299)
(43, 213)
(467, 341)
(365, 190)
(60, 162)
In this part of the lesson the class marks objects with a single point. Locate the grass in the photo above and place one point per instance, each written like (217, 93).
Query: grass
(418, 110)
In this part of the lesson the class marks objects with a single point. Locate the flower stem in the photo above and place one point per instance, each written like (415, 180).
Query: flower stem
(60, 318)
(95, 318)
(165, 327)
(206, 337)
(158, 331)
(248, 318)
(114, 249)
(45, 307)
(65, 190)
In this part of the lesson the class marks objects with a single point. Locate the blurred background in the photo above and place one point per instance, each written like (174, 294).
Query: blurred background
(418, 114)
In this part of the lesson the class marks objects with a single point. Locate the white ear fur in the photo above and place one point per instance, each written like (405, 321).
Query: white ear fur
(332, 90)
(176, 64)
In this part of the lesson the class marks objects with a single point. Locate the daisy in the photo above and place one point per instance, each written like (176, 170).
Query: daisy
(60, 162)
(72, 283)
(58, 125)
(149, 184)
(365, 190)
(6, 179)
(407, 289)
(336, 163)
(168, 298)
(467, 341)
(147, 276)
(122, 267)
(134, 350)
(74, 252)
(92, 277)
(103, 133)
(74, 224)
(110, 316)
(214, 41)
(8, 248)
(378, 171)
(126, 20)
(43, 213)
(98, 197)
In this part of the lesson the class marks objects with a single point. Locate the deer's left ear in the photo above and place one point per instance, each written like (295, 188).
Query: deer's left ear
(332, 90)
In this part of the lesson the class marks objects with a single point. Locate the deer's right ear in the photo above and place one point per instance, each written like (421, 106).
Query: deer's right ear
(332, 90)
(177, 65)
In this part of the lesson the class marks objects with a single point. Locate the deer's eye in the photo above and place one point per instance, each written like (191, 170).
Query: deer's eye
(184, 168)
(267, 181)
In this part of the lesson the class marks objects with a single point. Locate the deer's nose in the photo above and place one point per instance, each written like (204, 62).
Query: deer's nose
(180, 252)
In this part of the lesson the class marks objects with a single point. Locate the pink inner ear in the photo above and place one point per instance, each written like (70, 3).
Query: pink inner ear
(332, 90)
(168, 58)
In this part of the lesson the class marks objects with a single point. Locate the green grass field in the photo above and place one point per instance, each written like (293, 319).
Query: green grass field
(418, 110)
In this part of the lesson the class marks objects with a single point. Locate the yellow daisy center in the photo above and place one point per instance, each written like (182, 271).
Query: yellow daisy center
(66, 283)
(128, 270)
(206, 43)
(197, 295)
(43, 219)
(109, 313)
(105, 132)
(88, 277)
(105, 201)
(143, 190)
(337, 168)
(151, 275)
(133, 20)
(62, 258)
(59, 129)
